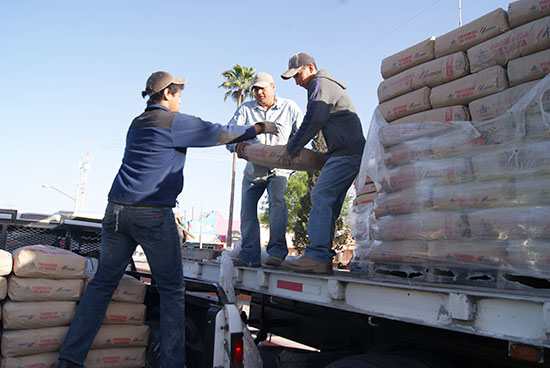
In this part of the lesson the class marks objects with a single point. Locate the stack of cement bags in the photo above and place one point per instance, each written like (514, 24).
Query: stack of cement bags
(123, 337)
(43, 292)
(476, 72)
(467, 196)
(6, 263)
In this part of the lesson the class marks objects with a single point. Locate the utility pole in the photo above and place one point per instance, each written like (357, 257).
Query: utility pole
(84, 166)
(460, 13)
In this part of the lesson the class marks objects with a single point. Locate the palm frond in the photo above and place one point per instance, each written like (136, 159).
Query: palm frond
(238, 82)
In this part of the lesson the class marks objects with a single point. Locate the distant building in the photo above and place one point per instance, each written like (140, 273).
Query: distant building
(210, 230)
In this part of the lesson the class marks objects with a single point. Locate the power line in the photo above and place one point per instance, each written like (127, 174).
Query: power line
(387, 34)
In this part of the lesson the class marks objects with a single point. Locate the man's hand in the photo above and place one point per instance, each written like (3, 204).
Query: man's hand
(286, 158)
(266, 127)
(239, 149)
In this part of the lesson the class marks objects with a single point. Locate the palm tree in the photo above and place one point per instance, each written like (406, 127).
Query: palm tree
(239, 86)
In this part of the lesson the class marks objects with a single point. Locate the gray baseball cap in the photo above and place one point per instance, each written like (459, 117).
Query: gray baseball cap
(295, 63)
(262, 80)
(159, 81)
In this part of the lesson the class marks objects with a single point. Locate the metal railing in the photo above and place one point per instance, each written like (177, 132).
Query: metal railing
(80, 235)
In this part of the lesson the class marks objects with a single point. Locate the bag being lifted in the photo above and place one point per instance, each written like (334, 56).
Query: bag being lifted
(270, 156)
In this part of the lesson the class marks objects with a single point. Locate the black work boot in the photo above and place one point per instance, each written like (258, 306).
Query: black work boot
(68, 364)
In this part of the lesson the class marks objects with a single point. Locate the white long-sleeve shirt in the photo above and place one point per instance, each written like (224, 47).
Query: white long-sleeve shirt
(284, 113)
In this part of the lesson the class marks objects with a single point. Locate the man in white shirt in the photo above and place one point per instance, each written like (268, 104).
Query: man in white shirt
(287, 116)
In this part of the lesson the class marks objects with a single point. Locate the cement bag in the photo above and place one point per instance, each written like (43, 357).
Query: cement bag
(521, 12)
(120, 313)
(529, 257)
(429, 74)
(468, 253)
(507, 128)
(270, 156)
(25, 315)
(521, 41)
(44, 261)
(392, 134)
(453, 170)
(528, 68)
(453, 143)
(469, 88)
(495, 105)
(29, 290)
(110, 336)
(402, 60)
(406, 104)
(477, 31)
(474, 195)
(428, 225)
(130, 290)
(510, 223)
(44, 360)
(364, 198)
(415, 199)
(3, 288)
(116, 358)
(6, 262)
(34, 341)
(532, 191)
(401, 252)
(448, 113)
(512, 161)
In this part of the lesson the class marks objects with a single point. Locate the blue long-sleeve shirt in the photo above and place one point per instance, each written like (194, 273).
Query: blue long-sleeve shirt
(151, 173)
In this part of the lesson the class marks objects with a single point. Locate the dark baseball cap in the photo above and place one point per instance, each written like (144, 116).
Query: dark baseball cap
(159, 81)
(295, 63)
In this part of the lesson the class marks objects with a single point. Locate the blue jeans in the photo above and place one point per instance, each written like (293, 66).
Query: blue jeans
(124, 227)
(327, 198)
(252, 191)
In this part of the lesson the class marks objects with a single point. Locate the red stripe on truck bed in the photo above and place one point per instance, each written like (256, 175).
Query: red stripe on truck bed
(288, 285)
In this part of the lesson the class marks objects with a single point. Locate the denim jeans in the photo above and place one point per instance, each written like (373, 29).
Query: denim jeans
(327, 198)
(124, 227)
(252, 191)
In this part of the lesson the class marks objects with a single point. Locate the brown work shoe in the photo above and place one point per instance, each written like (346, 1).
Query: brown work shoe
(307, 264)
(273, 261)
(240, 263)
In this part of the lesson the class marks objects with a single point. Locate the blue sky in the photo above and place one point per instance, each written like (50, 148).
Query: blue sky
(72, 72)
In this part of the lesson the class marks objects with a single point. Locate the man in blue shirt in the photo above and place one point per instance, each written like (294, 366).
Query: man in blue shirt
(139, 211)
(287, 116)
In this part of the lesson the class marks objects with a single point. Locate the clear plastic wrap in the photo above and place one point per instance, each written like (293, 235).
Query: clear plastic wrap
(409, 251)
(360, 217)
(429, 172)
(510, 223)
(421, 225)
(475, 195)
(529, 257)
(470, 199)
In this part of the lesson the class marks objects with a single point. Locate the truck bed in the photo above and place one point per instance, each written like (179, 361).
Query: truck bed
(508, 315)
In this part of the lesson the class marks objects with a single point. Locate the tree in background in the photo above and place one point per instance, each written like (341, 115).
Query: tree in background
(238, 82)
(298, 199)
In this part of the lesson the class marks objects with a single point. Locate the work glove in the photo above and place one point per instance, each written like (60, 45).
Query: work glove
(268, 127)
(239, 149)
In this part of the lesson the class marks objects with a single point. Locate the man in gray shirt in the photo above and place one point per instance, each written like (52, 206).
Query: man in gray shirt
(329, 109)
(287, 116)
